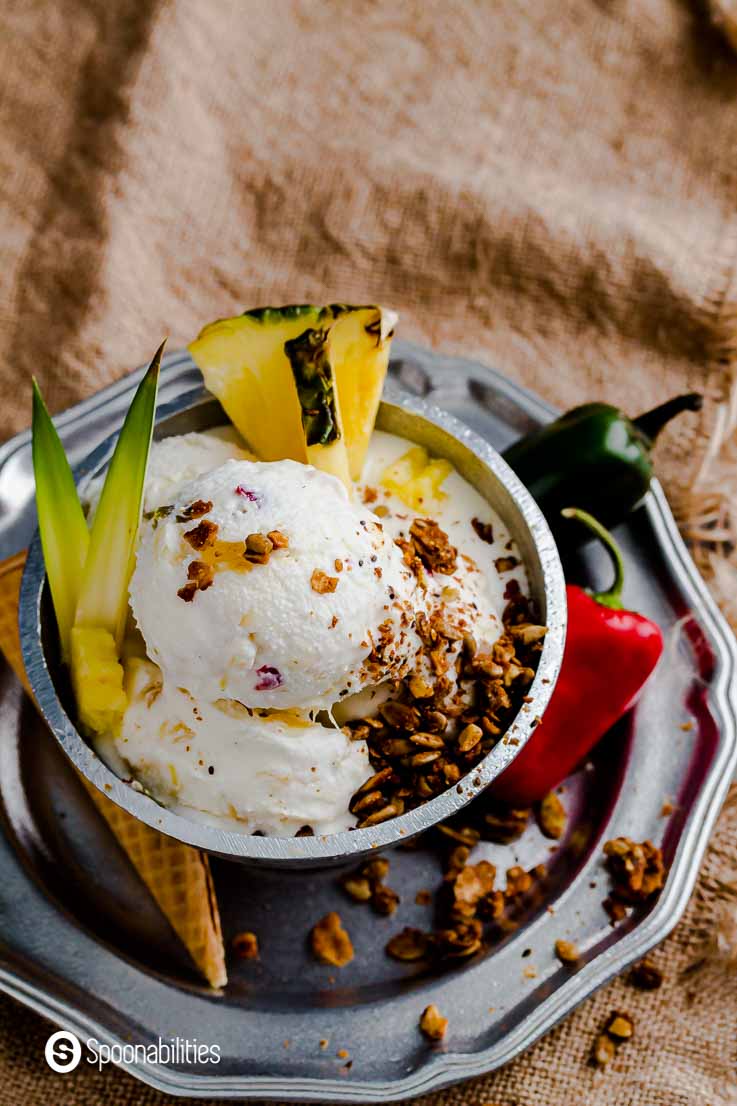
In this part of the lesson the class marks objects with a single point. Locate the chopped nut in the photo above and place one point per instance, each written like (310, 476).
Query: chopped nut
(469, 737)
(400, 715)
(391, 810)
(376, 869)
(604, 1050)
(330, 941)
(322, 583)
(245, 946)
(484, 530)
(428, 740)
(637, 869)
(202, 574)
(358, 888)
(620, 1026)
(551, 816)
(461, 941)
(503, 824)
(465, 835)
(197, 509)
(384, 900)
(645, 976)
(528, 634)
(433, 1024)
(202, 535)
(567, 952)
(188, 592)
(277, 539)
(419, 688)
(258, 549)
(518, 881)
(409, 945)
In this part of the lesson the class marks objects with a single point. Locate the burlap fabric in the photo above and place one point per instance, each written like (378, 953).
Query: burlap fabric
(549, 186)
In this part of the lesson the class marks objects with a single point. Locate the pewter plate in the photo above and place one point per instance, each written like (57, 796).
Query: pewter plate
(100, 961)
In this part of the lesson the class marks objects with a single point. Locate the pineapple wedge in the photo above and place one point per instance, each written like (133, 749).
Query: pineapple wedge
(244, 365)
(359, 345)
(302, 381)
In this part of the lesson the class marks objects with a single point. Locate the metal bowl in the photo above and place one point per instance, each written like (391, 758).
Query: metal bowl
(475, 460)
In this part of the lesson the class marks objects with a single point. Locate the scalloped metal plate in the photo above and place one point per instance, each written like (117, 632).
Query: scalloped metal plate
(96, 961)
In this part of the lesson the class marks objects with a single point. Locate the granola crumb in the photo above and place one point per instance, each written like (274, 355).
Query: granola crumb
(432, 1024)
(620, 1026)
(567, 952)
(645, 976)
(686, 726)
(409, 945)
(423, 897)
(551, 817)
(666, 809)
(330, 941)
(322, 583)
(277, 539)
(604, 1050)
(245, 945)
(324, 1042)
(342, 1053)
(484, 530)
(202, 535)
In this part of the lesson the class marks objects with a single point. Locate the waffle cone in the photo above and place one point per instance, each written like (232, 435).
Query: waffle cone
(178, 876)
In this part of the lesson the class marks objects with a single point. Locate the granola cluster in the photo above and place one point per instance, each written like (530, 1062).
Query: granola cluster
(637, 871)
(456, 703)
(366, 884)
(256, 549)
(469, 908)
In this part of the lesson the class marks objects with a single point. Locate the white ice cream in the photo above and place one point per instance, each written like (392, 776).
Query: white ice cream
(272, 775)
(265, 634)
(262, 638)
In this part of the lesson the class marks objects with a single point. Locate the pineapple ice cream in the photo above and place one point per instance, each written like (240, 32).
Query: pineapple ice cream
(265, 583)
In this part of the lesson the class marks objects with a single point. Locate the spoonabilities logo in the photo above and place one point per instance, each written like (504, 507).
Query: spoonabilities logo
(63, 1051)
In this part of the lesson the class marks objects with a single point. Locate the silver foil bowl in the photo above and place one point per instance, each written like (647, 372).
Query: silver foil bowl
(442, 436)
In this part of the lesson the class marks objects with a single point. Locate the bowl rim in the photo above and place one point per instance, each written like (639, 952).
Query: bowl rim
(346, 845)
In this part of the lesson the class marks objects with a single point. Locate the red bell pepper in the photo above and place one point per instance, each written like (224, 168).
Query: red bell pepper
(609, 654)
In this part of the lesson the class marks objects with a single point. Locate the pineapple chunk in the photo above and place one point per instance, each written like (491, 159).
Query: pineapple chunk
(406, 468)
(244, 364)
(416, 479)
(358, 344)
(97, 679)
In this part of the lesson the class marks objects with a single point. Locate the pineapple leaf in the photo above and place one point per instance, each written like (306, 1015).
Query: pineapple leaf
(103, 599)
(61, 522)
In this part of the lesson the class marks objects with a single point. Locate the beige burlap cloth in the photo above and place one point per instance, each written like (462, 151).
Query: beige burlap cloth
(548, 185)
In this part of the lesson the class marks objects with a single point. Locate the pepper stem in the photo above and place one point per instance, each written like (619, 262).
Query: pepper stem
(652, 422)
(612, 597)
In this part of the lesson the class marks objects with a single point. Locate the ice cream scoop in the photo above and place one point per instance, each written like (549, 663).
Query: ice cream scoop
(265, 583)
(273, 774)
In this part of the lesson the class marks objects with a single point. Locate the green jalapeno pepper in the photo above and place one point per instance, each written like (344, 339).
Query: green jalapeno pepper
(594, 456)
